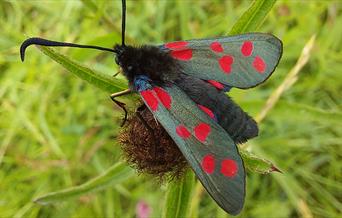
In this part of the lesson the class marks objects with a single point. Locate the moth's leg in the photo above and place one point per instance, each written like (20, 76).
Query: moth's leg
(117, 73)
(148, 127)
(138, 112)
(121, 104)
(118, 94)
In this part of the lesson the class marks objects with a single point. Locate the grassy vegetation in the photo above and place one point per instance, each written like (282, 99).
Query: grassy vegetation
(58, 131)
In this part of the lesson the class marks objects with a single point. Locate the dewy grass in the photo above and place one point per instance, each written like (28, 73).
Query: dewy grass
(44, 108)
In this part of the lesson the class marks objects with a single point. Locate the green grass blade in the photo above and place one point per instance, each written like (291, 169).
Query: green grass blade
(178, 196)
(103, 81)
(253, 17)
(114, 175)
(256, 164)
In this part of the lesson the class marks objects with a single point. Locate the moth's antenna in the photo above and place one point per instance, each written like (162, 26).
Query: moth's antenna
(45, 42)
(123, 25)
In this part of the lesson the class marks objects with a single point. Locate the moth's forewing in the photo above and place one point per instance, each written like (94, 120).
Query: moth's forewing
(241, 61)
(207, 147)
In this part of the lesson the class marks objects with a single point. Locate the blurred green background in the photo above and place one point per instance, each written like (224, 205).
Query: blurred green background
(58, 131)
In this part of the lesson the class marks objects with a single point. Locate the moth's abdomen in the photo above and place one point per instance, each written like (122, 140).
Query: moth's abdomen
(236, 122)
(239, 125)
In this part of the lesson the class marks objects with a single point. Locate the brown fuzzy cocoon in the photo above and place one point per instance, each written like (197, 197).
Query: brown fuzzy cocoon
(154, 153)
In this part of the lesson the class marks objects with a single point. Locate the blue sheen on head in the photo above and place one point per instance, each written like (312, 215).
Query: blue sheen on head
(141, 83)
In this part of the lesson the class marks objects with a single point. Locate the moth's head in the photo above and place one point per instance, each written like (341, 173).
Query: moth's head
(127, 57)
(120, 59)
(119, 51)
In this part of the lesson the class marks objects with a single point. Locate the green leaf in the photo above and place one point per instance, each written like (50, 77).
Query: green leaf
(178, 196)
(114, 175)
(256, 164)
(103, 81)
(253, 17)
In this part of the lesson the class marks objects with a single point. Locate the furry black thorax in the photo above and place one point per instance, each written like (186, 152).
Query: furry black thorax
(146, 60)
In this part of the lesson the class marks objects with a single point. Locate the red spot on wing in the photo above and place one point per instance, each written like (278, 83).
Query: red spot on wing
(182, 131)
(163, 96)
(150, 99)
(226, 63)
(183, 55)
(202, 131)
(216, 47)
(259, 64)
(176, 45)
(207, 111)
(216, 84)
(229, 167)
(208, 164)
(247, 48)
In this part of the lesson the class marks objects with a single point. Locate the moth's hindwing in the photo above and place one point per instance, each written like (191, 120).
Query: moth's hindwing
(206, 145)
(241, 61)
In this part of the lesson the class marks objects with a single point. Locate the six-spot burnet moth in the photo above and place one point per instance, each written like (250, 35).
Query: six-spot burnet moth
(183, 85)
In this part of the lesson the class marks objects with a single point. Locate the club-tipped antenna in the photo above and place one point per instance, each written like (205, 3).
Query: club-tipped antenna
(50, 43)
(45, 42)
(123, 24)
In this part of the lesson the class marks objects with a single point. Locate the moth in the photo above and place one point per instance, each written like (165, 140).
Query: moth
(184, 84)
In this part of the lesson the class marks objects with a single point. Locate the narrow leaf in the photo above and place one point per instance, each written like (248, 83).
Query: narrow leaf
(103, 81)
(114, 175)
(256, 164)
(178, 196)
(253, 17)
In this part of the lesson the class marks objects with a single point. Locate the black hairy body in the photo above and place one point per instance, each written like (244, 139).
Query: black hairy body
(151, 61)
(162, 69)
(230, 116)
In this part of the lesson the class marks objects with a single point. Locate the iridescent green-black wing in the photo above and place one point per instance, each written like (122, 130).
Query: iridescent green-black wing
(241, 61)
(206, 145)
